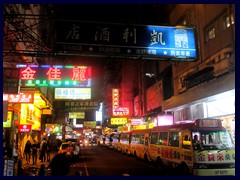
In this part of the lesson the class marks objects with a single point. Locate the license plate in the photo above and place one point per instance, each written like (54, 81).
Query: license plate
(224, 172)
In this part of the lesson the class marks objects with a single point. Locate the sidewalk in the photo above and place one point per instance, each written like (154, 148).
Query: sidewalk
(37, 165)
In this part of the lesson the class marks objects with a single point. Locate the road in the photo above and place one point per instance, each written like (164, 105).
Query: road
(102, 161)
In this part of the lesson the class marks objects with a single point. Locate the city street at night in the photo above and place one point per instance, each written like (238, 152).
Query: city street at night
(119, 90)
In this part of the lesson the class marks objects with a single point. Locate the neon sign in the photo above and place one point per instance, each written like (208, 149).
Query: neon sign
(115, 98)
(56, 75)
(24, 128)
(24, 97)
(116, 110)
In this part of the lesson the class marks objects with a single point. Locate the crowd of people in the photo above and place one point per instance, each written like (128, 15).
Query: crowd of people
(37, 150)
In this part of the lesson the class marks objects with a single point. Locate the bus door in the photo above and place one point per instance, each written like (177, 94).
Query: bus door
(186, 149)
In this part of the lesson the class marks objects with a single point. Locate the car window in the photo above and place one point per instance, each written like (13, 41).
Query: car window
(65, 146)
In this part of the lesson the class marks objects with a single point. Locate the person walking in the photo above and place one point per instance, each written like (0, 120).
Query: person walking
(48, 150)
(43, 149)
(34, 151)
(27, 151)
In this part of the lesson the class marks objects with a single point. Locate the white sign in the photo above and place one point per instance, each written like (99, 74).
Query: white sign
(72, 93)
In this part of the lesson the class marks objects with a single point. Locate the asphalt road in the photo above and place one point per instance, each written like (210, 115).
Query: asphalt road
(102, 161)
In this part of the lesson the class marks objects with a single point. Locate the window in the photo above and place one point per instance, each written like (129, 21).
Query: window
(163, 138)
(174, 139)
(154, 138)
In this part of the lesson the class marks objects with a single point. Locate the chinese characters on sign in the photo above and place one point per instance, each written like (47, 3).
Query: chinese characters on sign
(72, 93)
(24, 97)
(116, 110)
(116, 121)
(129, 40)
(56, 75)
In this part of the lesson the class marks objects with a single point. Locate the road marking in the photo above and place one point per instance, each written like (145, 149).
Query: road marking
(85, 165)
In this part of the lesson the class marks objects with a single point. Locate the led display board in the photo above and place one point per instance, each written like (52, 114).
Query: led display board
(72, 93)
(55, 75)
(128, 40)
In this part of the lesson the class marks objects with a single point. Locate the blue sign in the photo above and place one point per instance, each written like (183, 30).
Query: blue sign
(108, 39)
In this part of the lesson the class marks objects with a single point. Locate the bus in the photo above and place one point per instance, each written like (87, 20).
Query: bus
(202, 147)
(139, 143)
(124, 144)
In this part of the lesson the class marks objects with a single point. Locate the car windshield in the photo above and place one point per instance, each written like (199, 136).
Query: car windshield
(212, 140)
(65, 146)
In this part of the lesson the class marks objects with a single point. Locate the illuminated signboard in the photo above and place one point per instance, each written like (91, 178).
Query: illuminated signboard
(116, 121)
(164, 120)
(72, 93)
(145, 41)
(121, 111)
(24, 128)
(115, 98)
(116, 110)
(139, 127)
(78, 105)
(7, 124)
(23, 97)
(89, 124)
(56, 75)
(135, 122)
(76, 115)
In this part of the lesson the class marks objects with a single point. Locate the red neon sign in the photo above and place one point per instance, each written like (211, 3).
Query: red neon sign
(115, 98)
(23, 97)
(28, 73)
(56, 75)
(25, 128)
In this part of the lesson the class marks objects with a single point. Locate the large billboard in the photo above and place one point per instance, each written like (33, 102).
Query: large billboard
(145, 41)
(55, 75)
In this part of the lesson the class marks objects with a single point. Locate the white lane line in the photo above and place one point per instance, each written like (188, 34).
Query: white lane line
(85, 165)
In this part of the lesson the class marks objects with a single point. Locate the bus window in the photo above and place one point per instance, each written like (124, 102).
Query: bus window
(154, 138)
(174, 139)
(141, 141)
(163, 138)
(146, 141)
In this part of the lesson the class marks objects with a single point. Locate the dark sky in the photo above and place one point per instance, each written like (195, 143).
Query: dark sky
(117, 13)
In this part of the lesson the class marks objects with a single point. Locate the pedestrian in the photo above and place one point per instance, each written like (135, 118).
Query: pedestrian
(48, 150)
(34, 151)
(15, 152)
(43, 149)
(27, 151)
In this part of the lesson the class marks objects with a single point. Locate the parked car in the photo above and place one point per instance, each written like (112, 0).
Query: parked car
(63, 147)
